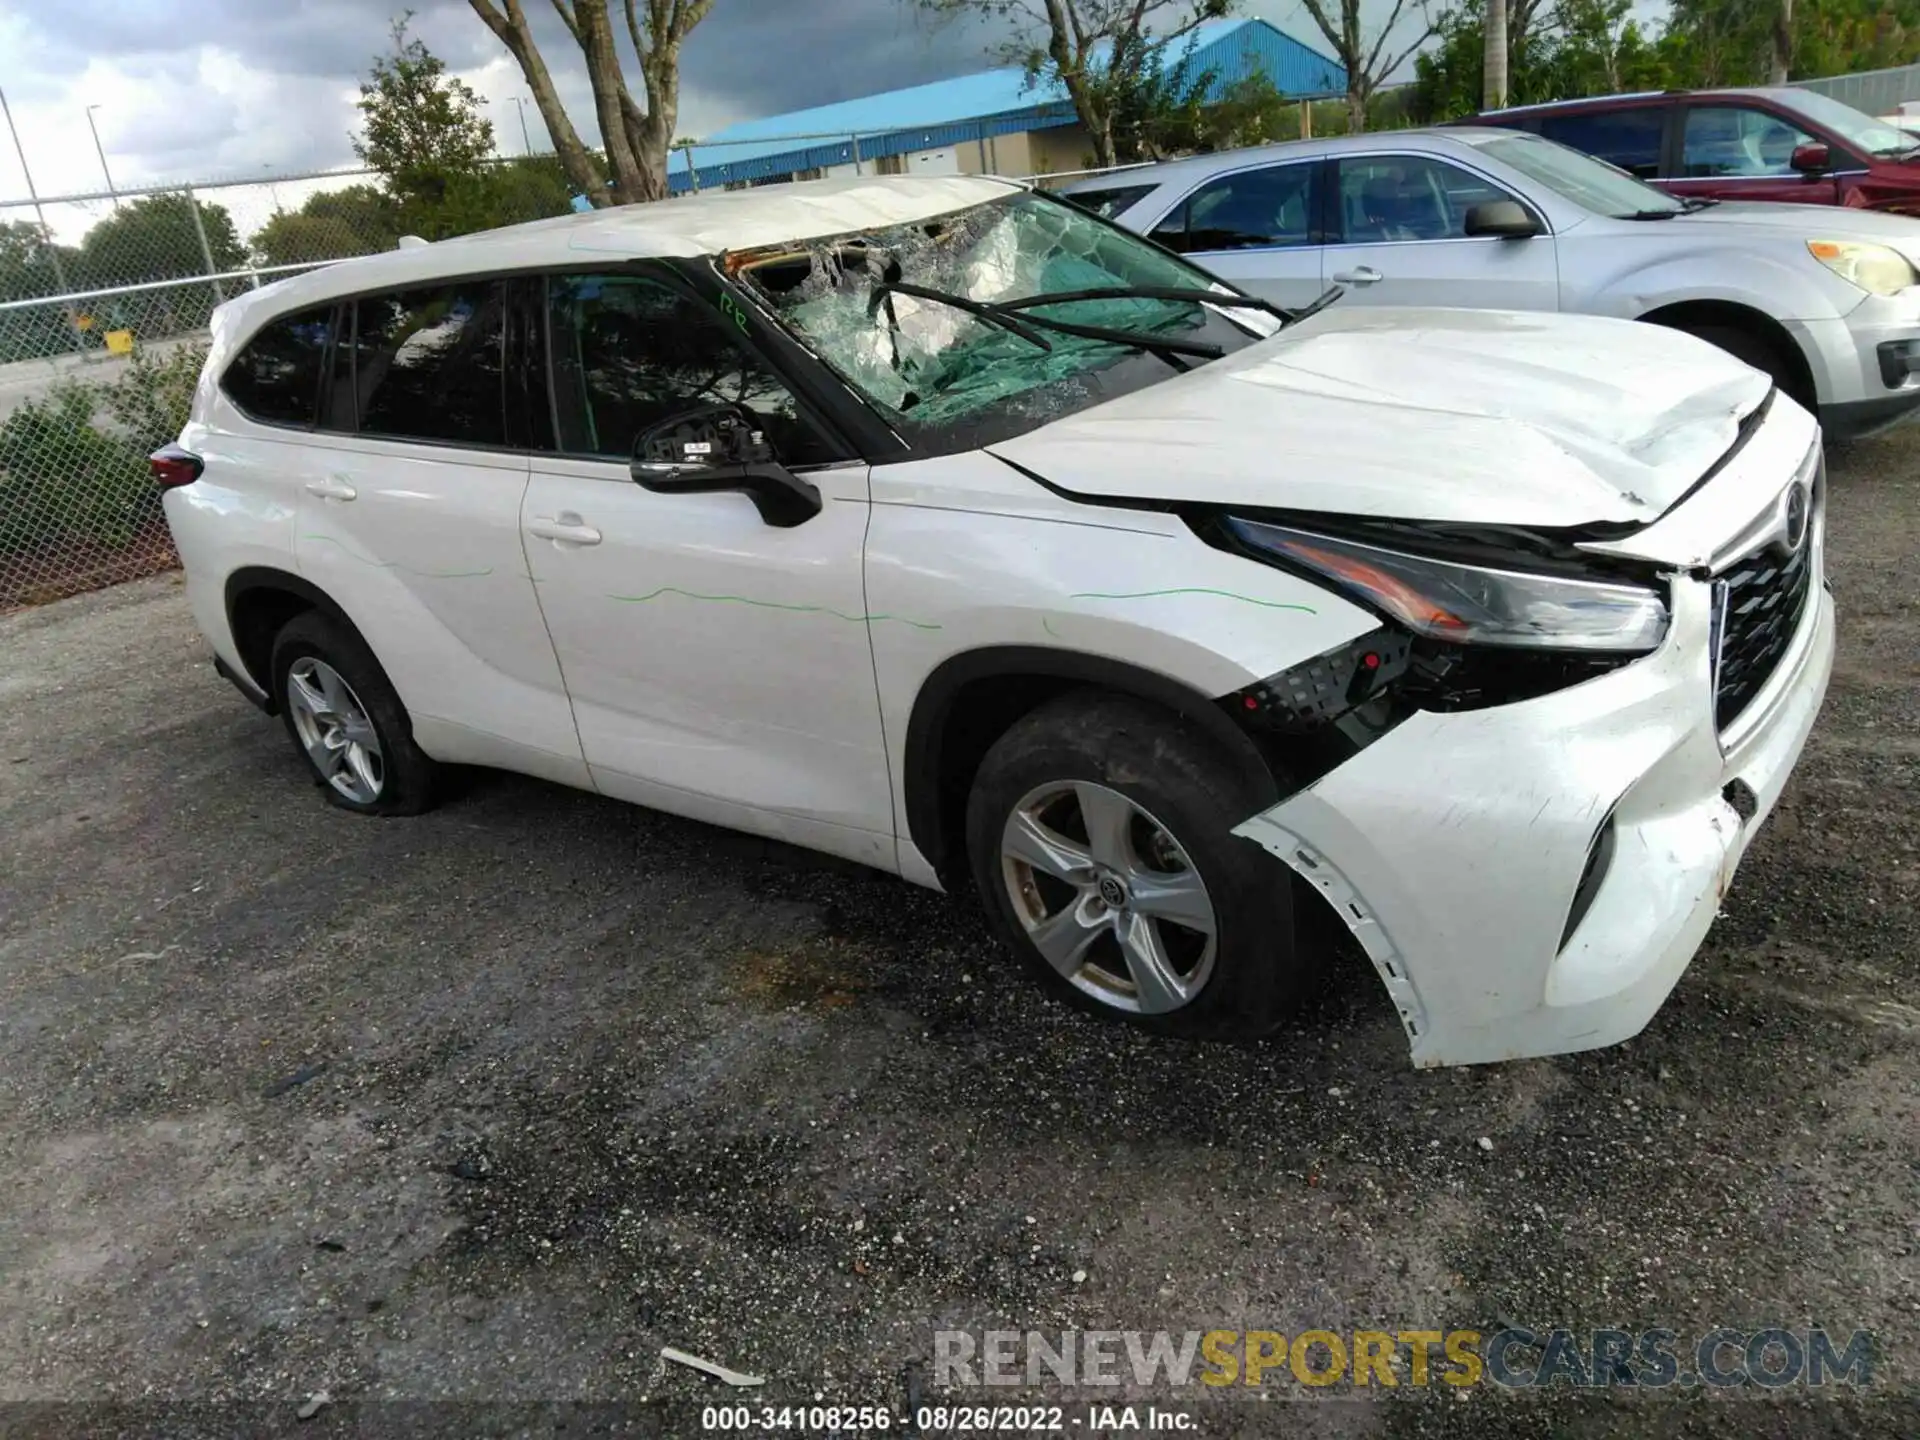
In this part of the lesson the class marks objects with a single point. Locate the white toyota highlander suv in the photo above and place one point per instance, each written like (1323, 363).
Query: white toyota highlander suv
(941, 525)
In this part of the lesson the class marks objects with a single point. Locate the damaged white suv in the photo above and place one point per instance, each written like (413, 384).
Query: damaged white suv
(940, 525)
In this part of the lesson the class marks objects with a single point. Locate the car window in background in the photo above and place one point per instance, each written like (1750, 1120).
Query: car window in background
(1385, 198)
(427, 364)
(1266, 208)
(1589, 183)
(1855, 127)
(1629, 138)
(630, 353)
(277, 376)
(1723, 140)
(1111, 201)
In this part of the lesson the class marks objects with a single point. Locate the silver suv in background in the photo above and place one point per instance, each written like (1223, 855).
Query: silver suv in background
(1823, 299)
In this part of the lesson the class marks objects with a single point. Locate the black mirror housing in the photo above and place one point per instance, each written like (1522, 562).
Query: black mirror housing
(720, 448)
(1505, 219)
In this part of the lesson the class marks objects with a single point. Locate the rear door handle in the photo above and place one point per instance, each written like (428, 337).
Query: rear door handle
(1359, 275)
(334, 487)
(566, 528)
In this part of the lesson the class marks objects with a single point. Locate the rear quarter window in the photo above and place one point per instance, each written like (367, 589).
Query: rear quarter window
(276, 375)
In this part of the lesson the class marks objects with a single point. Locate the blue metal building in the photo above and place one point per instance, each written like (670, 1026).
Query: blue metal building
(879, 132)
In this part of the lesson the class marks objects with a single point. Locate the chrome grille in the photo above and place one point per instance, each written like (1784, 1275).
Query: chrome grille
(1764, 594)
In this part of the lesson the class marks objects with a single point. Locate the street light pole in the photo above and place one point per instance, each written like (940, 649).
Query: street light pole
(526, 144)
(101, 151)
(53, 250)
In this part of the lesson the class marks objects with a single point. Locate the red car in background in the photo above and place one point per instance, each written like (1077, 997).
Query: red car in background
(1776, 143)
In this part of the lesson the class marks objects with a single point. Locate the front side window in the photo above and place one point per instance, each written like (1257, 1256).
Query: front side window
(630, 353)
(1629, 138)
(1267, 208)
(1591, 184)
(1386, 198)
(427, 364)
(276, 378)
(947, 376)
(1730, 140)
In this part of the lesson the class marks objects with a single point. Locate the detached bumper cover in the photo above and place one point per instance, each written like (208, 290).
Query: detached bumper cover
(1453, 847)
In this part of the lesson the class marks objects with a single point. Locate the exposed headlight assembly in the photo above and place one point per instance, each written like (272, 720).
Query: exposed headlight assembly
(1879, 269)
(1470, 604)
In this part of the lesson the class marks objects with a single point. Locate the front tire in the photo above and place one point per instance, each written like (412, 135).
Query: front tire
(1099, 831)
(346, 720)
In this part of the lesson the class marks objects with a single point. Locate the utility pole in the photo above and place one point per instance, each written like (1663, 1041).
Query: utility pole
(101, 151)
(526, 145)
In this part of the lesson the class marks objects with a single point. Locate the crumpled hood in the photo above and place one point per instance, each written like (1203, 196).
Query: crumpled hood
(1446, 415)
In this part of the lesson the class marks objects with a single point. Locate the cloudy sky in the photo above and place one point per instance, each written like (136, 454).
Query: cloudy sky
(200, 89)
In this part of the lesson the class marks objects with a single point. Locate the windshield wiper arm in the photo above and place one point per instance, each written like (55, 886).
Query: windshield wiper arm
(986, 312)
(1152, 292)
(1320, 302)
(1652, 214)
(1692, 203)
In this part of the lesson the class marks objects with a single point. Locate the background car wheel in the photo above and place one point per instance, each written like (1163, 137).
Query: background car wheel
(1762, 354)
(346, 720)
(1099, 831)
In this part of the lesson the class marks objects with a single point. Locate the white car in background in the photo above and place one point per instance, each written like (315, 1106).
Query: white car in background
(1823, 298)
(940, 525)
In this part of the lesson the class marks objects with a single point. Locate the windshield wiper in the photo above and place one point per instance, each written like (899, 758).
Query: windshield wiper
(1691, 203)
(1153, 292)
(1320, 302)
(998, 314)
(1652, 214)
(959, 302)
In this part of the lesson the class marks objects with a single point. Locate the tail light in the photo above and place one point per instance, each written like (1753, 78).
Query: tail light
(173, 467)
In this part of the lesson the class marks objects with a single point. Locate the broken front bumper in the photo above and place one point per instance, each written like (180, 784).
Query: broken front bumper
(1454, 846)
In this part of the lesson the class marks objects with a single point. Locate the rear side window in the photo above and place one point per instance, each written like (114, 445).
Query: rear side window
(428, 364)
(1268, 208)
(276, 377)
(1112, 201)
(1629, 138)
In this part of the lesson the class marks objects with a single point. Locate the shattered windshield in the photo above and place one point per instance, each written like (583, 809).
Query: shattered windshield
(926, 320)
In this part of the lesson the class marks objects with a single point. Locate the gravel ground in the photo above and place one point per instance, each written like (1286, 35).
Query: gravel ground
(483, 1109)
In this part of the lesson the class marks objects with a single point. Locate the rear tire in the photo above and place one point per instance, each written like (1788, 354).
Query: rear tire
(346, 720)
(1099, 832)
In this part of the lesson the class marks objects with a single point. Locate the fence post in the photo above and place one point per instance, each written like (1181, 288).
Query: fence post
(206, 250)
(693, 176)
(856, 155)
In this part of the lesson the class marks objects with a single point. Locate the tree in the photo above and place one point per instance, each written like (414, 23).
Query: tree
(1367, 61)
(423, 128)
(155, 238)
(1494, 91)
(31, 264)
(332, 225)
(636, 138)
(1562, 51)
(1096, 50)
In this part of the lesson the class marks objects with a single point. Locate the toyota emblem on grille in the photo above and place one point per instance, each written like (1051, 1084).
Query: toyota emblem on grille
(1794, 522)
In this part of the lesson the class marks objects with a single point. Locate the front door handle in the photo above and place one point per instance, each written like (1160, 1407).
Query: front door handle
(1359, 275)
(334, 487)
(563, 529)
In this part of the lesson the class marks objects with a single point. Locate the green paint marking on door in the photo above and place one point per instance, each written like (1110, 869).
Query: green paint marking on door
(765, 605)
(1196, 590)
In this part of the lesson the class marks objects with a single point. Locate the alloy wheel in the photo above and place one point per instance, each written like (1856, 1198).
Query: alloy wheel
(1109, 897)
(334, 730)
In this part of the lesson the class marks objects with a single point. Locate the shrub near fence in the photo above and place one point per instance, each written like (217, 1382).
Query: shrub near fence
(78, 509)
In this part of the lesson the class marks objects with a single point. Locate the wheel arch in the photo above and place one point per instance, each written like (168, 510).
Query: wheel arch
(1733, 315)
(971, 699)
(259, 601)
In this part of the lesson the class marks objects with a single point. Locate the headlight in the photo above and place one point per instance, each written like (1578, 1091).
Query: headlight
(1876, 268)
(1470, 605)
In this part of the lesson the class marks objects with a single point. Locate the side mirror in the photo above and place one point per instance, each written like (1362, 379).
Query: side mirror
(1506, 219)
(1813, 159)
(722, 447)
